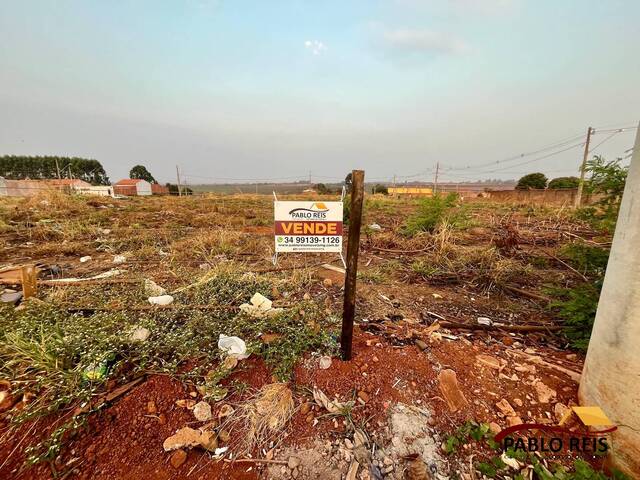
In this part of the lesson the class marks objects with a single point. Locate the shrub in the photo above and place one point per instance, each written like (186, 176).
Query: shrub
(564, 182)
(379, 188)
(577, 305)
(431, 212)
(532, 181)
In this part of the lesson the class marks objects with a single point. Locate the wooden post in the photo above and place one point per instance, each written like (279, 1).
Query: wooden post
(29, 281)
(355, 221)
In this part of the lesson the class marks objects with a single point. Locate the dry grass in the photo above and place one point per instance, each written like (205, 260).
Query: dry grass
(263, 416)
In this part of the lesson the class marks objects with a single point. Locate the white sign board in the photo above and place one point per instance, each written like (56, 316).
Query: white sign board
(308, 226)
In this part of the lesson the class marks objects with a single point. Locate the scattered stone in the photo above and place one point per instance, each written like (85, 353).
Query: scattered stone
(306, 296)
(375, 227)
(178, 458)
(505, 408)
(560, 411)
(225, 411)
(202, 411)
(511, 421)
(495, 428)
(152, 289)
(518, 402)
(293, 462)
(324, 362)
(305, 408)
(186, 403)
(571, 357)
(230, 362)
(85, 259)
(421, 344)
(119, 259)
(7, 401)
(11, 297)
(193, 394)
(484, 321)
(545, 393)
(327, 282)
(454, 397)
(209, 441)
(364, 396)
(140, 334)
(489, 361)
(186, 437)
(152, 409)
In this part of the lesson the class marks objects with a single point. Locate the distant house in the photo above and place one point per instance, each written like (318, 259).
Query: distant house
(132, 187)
(158, 189)
(411, 191)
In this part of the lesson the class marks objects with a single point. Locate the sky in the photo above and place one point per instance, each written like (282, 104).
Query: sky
(279, 90)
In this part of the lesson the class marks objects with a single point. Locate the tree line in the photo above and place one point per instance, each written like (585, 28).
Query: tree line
(21, 167)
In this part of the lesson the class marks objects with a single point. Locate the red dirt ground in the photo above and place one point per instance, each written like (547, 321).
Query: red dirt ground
(123, 442)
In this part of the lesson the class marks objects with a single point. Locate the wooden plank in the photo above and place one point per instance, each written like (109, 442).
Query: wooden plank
(29, 281)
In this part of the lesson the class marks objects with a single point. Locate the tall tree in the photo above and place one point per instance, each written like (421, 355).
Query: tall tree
(141, 172)
(20, 167)
(532, 181)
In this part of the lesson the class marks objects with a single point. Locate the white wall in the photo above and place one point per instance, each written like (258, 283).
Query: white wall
(143, 187)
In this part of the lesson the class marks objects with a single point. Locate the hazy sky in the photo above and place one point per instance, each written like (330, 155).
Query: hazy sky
(276, 89)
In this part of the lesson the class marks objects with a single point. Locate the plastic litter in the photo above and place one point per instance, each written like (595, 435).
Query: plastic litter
(234, 346)
(485, 321)
(161, 300)
(259, 307)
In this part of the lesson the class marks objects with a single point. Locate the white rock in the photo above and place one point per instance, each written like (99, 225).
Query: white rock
(152, 289)
(85, 259)
(140, 334)
(484, 321)
(375, 227)
(202, 411)
(324, 362)
(119, 259)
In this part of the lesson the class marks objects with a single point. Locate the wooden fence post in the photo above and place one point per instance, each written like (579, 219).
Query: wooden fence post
(355, 221)
(29, 281)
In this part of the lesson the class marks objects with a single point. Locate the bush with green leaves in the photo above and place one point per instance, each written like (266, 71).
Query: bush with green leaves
(432, 212)
(532, 181)
(560, 183)
(379, 188)
(577, 304)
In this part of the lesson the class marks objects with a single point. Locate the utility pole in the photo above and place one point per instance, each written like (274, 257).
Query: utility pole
(435, 183)
(179, 186)
(585, 157)
(57, 169)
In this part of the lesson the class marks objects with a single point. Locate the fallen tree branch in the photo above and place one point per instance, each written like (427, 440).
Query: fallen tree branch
(506, 328)
(524, 293)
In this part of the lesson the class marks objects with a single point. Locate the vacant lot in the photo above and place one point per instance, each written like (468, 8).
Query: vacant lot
(95, 379)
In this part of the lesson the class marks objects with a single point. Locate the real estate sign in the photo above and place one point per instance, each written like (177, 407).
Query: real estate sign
(308, 226)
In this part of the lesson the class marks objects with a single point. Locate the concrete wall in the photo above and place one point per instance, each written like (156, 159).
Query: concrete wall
(611, 375)
(564, 197)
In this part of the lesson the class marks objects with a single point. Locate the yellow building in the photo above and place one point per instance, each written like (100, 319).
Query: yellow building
(411, 191)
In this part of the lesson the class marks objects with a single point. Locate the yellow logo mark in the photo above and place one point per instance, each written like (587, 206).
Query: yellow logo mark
(589, 416)
(319, 206)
